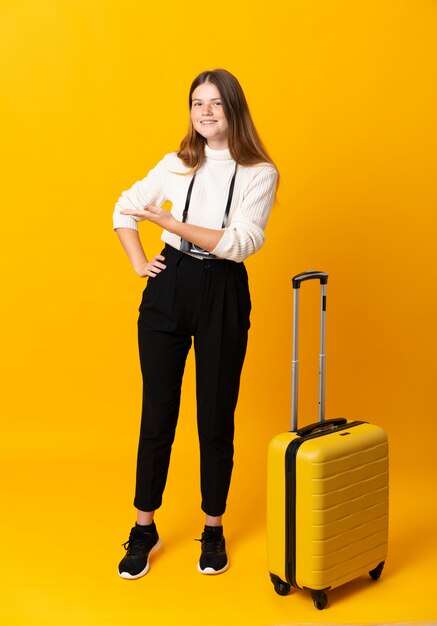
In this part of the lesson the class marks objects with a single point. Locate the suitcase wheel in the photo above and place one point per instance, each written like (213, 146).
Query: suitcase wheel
(376, 573)
(282, 589)
(320, 599)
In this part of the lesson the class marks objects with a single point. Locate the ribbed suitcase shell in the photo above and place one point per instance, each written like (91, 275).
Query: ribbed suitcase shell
(327, 505)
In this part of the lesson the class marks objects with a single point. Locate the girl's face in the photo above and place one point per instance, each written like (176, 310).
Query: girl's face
(207, 116)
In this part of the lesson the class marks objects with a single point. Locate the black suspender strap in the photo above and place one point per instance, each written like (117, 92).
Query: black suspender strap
(187, 201)
(230, 195)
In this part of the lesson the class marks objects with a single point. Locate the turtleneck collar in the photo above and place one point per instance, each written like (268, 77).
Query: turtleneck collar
(217, 155)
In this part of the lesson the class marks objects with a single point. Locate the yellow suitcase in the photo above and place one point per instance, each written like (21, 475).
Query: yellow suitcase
(327, 492)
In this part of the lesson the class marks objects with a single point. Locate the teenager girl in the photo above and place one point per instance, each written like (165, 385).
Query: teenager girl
(222, 186)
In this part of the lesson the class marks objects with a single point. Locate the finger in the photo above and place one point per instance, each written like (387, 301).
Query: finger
(152, 209)
(132, 212)
(159, 257)
(156, 268)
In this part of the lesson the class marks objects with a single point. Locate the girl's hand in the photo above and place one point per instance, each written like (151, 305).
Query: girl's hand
(151, 268)
(154, 214)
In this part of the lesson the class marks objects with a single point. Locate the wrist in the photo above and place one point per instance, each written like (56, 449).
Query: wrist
(172, 225)
(140, 267)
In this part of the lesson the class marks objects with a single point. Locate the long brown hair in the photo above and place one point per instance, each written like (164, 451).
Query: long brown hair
(244, 143)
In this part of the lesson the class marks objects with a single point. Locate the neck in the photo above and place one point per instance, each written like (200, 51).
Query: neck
(218, 144)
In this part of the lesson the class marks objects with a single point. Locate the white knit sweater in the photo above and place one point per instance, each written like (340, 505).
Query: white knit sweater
(254, 194)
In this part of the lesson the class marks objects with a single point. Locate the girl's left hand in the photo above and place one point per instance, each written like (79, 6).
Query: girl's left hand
(154, 214)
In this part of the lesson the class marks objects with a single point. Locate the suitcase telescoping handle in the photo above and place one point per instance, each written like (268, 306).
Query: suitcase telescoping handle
(297, 280)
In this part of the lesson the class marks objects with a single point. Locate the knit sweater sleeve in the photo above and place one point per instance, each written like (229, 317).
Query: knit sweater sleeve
(150, 190)
(245, 233)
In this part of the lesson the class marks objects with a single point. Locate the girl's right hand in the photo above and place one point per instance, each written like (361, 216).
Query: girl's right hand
(151, 268)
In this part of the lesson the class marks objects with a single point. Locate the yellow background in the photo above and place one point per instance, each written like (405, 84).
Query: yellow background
(93, 93)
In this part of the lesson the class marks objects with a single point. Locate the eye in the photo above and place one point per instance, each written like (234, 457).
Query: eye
(217, 104)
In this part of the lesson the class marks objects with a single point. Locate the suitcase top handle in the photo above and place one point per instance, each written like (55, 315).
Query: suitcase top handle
(331, 424)
(309, 275)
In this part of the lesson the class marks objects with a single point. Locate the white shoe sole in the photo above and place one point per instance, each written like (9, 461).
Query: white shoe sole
(128, 576)
(209, 571)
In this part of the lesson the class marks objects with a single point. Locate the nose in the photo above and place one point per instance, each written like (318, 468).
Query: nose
(206, 109)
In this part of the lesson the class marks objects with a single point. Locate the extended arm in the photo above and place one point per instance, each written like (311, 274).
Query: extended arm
(206, 238)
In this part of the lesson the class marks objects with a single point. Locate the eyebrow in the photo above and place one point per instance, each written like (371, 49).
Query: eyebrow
(199, 100)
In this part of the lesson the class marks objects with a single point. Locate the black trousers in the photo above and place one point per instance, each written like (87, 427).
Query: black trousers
(207, 300)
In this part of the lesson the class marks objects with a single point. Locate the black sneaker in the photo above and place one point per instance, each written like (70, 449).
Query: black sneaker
(213, 559)
(139, 547)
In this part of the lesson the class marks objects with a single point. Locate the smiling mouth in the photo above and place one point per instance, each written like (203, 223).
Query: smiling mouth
(208, 121)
